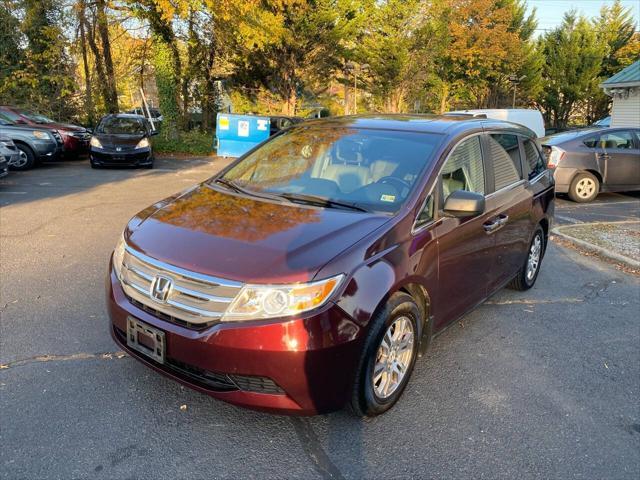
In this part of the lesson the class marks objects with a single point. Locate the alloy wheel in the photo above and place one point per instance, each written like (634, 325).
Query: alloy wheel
(533, 262)
(21, 161)
(585, 188)
(394, 357)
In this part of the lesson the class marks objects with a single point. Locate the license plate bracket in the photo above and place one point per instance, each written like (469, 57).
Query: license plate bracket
(146, 339)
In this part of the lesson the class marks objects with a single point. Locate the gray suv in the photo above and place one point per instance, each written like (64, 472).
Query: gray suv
(587, 162)
(35, 144)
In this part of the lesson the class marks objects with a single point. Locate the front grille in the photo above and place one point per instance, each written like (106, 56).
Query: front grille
(193, 300)
(256, 384)
(215, 381)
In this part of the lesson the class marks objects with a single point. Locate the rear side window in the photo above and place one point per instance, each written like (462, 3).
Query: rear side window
(616, 140)
(463, 169)
(534, 160)
(591, 142)
(504, 152)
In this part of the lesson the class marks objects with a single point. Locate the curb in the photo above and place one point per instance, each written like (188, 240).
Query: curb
(605, 252)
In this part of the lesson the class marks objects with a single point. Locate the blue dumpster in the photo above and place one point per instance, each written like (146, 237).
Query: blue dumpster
(237, 134)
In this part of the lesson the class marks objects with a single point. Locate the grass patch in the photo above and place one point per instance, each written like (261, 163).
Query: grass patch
(193, 143)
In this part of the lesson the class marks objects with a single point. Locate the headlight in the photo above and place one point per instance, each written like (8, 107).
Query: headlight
(555, 156)
(39, 134)
(268, 301)
(118, 256)
(144, 143)
(95, 142)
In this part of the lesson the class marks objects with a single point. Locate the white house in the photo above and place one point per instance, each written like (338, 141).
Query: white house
(624, 88)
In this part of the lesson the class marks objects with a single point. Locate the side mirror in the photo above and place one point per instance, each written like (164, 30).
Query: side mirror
(464, 204)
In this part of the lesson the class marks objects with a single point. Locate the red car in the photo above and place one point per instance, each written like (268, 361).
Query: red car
(75, 138)
(312, 272)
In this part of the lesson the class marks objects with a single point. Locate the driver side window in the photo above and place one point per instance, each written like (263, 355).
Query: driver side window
(463, 169)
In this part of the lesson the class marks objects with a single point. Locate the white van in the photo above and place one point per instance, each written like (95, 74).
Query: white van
(529, 118)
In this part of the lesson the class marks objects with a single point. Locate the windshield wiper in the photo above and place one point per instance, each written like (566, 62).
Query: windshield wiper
(320, 201)
(237, 188)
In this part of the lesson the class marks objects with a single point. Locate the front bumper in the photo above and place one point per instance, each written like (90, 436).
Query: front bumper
(47, 149)
(76, 146)
(127, 158)
(310, 361)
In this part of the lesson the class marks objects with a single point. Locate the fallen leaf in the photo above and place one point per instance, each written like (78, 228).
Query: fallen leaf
(183, 408)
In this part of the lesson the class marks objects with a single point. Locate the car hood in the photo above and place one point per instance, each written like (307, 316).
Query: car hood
(122, 140)
(60, 126)
(246, 239)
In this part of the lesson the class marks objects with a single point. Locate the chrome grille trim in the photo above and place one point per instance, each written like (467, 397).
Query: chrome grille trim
(195, 298)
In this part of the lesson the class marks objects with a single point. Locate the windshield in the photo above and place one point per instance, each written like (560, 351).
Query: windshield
(36, 117)
(121, 125)
(365, 168)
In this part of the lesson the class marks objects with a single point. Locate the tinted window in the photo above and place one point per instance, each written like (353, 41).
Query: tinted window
(622, 140)
(463, 169)
(534, 160)
(373, 169)
(591, 142)
(504, 152)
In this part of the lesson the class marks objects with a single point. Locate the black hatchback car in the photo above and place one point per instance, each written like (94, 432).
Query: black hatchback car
(122, 140)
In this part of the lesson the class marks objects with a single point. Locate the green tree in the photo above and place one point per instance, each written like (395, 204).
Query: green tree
(293, 45)
(615, 30)
(41, 73)
(573, 58)
(389, 50)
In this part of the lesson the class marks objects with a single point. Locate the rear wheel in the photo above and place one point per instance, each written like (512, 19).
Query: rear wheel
(527, 276)
(584, 187)
(388, 358)
(26, 160)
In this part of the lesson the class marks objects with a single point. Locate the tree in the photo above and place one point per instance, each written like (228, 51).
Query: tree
(389, 49)
(110, 89)
(573, 59)
(293, 45)
(615, 30)
(487, 41)
(40, 73)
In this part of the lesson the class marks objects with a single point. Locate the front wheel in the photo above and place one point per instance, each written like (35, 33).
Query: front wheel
(26, 160)
(529, 273)
(388, 358)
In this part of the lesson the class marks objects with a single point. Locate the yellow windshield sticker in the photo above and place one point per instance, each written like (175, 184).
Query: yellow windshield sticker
(388, 198)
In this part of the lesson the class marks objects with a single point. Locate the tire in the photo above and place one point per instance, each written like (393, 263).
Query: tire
(527, 276)
(27, 158)
(584, 188)
(399, 316)
(94, 166)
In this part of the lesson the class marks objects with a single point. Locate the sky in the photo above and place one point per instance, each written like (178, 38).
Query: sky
(550, 12)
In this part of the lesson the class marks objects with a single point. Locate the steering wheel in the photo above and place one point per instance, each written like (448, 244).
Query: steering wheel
(396, 182)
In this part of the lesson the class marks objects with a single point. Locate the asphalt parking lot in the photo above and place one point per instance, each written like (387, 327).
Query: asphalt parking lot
(537, 384)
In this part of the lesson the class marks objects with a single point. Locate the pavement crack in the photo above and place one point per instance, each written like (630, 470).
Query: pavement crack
(63, 358)
(312, 447)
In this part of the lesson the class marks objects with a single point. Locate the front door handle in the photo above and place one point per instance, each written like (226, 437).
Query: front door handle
(495, 223)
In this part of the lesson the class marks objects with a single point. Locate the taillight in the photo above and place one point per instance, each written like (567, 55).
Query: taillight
(554, 155)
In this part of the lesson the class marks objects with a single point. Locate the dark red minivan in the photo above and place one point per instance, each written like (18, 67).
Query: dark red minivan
(312, 272)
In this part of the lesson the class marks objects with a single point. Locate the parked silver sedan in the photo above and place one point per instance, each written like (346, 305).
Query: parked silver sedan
(589, 161)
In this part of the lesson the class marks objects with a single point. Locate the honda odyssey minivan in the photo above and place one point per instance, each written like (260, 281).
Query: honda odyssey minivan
(312, 272)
